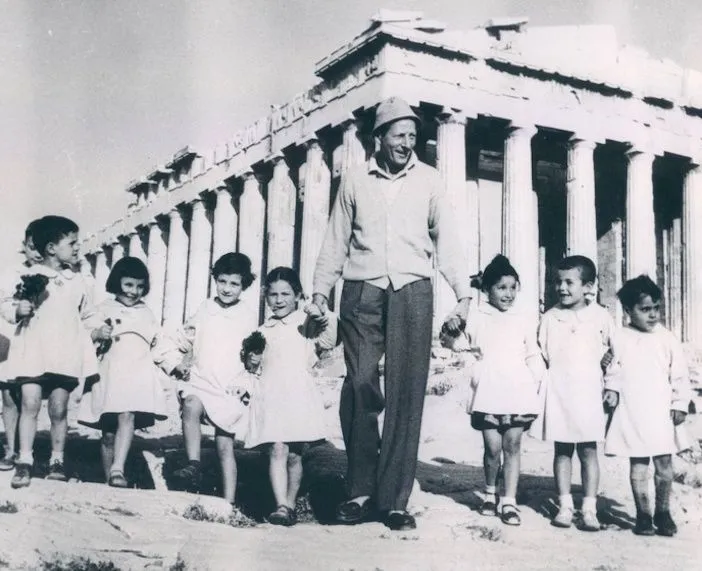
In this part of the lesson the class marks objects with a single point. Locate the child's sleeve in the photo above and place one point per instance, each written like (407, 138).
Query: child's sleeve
(542, 336)
(8, 304)
(613, 373)
(171, 345)
(89, 314)
(679, 377)
(534, 358)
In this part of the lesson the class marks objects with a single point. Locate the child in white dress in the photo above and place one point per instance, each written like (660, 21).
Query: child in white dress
(287, 410)
(647, 385)
(129, 394)
(210, 342)
(505, 377)
(8, 306)
(574, 336)
(47, 352)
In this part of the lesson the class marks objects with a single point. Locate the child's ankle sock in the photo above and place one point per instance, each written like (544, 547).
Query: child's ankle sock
(25, 458)
(56, 457)
(589, 504)
(490, 490)
(565, 501)
(664, 486)
(508, 501)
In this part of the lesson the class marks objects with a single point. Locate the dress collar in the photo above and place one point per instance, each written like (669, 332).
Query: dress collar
(290, 318)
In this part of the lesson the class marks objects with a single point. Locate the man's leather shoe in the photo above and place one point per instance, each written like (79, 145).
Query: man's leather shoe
(400, 521)
(351, 512)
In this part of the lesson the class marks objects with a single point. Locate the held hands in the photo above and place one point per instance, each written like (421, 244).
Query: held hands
(610, 400)
(456, 320)
(317, 310)
(25, 308)
(103, 332)
(678, 417)
(181, 372)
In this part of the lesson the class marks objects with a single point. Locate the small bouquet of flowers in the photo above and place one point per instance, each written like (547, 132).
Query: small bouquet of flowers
(31, 288)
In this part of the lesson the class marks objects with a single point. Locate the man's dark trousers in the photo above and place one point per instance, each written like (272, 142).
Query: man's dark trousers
(373, 322)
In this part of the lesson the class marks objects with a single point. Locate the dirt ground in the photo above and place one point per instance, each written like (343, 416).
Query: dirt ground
(84, 524)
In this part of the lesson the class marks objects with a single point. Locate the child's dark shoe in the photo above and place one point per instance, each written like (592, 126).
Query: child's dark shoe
(510, 515)
(282, 516)
(57, 472)
(22, 476)
(488, 508)
(644, 525)
(190, 476)
(665, 525)
(7, 463)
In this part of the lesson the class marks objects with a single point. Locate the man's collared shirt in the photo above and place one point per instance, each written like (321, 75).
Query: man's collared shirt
(384, 228)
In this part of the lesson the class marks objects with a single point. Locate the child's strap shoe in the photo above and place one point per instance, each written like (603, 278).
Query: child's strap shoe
(488, 508)
(22, 476)
(7, 463)
(510, 515)
(665, 525)
(117, 480)
(56, 472)
(644, 525)
(282, 516)
(564, 517)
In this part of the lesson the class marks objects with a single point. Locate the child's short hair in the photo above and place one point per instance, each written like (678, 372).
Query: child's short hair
(31, 229)
(127, 267)
(498, 267)
(234, 263)
(50, 229)
(283, 273)
(633, 290)
(254, 343)
(588, 270)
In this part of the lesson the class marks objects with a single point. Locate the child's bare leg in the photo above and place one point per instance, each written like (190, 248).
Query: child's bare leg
(107, 452)
(294, 478)
(58, 409)
(225, 451)
(10, 418)
(123, 440)
(492, 450)
(27, 426)
(278, 472)
(563, 473)
(192, 431)
(663, 478)
(512, 449)
(589, 468)
(638, 476)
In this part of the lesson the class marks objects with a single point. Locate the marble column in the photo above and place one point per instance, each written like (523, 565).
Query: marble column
(117, 251)
(225, 223)
(519, 218)
(102, 271)
(198, 258)
(581, 223)
(354, 153)
(315, 188)
(252, 219)
(176, 270)
(692, 255)
(136, 247)
(156, 264)
(640, 221)
(451, 162)
(281, 215)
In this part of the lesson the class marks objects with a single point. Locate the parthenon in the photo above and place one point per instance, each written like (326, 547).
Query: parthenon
(551, 141)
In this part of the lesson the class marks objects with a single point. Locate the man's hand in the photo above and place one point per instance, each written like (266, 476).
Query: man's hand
(678, 417)
(181, 372)
(321, 302)
(25, 308)
(457, 319)
(318, 314)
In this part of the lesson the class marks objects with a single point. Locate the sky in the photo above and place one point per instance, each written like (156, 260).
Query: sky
(94, 93)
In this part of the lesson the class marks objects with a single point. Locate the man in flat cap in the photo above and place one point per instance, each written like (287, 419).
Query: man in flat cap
(389, 216)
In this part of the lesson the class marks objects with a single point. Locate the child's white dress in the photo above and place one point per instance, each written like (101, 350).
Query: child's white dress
(50, 345)
(287, 406)
(129, 379)
(573, 344)
(506, 377)
(8, 306)
(650, 374)
(213, 339)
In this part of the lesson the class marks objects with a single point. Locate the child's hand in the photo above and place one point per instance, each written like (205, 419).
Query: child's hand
(103, 332)
(610, 400)
(181, 372)
(678, 417)
(25, 308)
(607, 359)
(317, 315)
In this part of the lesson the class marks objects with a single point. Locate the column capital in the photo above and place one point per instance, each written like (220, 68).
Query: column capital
(349, 121)
(275, 158)
(577, 140)
(640, 153)
(451, 116)
(197, 203)
(521, 131)
(312, 143)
